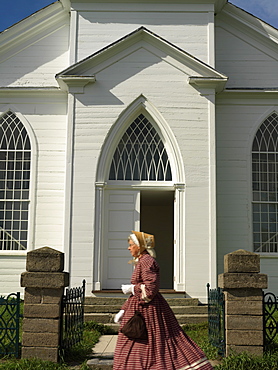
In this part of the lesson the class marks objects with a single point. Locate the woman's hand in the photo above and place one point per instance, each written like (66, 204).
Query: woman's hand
(118, 317)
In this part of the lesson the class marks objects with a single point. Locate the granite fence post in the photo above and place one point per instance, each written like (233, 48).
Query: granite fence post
(242, 284)
(44, 282)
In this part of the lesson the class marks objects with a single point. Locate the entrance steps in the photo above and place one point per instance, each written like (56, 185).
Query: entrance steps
(103, 307)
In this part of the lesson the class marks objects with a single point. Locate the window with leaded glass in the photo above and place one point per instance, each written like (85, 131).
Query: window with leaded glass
(15, 162)
(265, 186)
(140, 154)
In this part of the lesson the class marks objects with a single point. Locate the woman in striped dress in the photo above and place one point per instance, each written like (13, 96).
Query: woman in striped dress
(167, 346)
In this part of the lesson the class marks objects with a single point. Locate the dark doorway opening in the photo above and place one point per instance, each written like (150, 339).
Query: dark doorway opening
(157, 217)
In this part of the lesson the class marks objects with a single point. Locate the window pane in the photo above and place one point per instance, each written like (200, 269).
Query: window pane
(140, 154)
(15, 164)
(265, 186)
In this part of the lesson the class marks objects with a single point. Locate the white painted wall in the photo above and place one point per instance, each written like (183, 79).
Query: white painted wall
(46, 114)
(186, 113)
(35, 60)
(238, 117)
(246, 57)
(185, 25)
(12, 267)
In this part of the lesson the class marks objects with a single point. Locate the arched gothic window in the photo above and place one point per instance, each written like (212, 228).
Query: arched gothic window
(15, 162)
(265, 186)
(140, 154)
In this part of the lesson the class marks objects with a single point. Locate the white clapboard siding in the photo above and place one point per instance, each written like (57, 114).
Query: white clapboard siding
(11, 269)
(236, 118)
(37, 60)
(246, 61)
(188, 30)
(119, 85)
(269, 267)
(46, 115)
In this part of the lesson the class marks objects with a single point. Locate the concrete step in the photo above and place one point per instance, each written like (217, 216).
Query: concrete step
(100, 364)
(115, 301)
(115, 309)
(182, 301)
(188, 310)
(105, 300)
(100, 318)
(103, 309)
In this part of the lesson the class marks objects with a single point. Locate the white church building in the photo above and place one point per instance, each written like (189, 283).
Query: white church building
(152, 115)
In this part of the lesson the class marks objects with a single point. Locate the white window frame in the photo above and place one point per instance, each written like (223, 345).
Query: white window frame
(140, 154)
(263, 199)
(33, 174)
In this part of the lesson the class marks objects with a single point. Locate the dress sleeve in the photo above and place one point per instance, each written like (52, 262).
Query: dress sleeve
(147, 289)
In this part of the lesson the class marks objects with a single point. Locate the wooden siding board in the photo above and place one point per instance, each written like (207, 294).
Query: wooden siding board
(96, 112)
(244, 60)
(235, 118)
(46, 114)
(36, 62)
(186, 30)
(11, 269)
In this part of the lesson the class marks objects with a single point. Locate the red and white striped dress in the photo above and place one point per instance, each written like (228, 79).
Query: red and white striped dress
(167, 346)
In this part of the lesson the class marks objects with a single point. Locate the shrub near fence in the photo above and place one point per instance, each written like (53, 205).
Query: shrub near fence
(10, 325)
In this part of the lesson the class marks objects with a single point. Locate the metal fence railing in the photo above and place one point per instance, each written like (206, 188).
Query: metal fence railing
(270, 315)
(10, 325)
(216, 319)
(72, 317)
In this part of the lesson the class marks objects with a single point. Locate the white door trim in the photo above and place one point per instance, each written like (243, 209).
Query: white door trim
(142, 105)
(179, 233)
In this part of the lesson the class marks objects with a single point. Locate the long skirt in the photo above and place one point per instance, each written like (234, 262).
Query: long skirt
(167, 346)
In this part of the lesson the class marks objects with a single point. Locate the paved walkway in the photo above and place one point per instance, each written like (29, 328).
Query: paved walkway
(103, 352)
(105, 346)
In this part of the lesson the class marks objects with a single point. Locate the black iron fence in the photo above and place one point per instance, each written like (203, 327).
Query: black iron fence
(10, 325)
(73, 317)
(270, 316)
(216, 319)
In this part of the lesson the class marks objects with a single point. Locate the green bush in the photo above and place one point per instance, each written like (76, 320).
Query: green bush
(33, 364)
(244, 361)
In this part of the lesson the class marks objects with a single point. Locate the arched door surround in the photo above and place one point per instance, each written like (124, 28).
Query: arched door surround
(141, 106)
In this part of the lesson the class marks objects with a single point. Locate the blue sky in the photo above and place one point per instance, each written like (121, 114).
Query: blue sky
(267, 10)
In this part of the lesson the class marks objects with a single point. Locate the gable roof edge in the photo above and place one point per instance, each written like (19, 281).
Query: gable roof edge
(251, 21)
(41, 20)
(141, 33)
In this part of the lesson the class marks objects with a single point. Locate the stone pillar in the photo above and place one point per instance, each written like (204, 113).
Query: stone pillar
(44, 283)
(242, 284)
